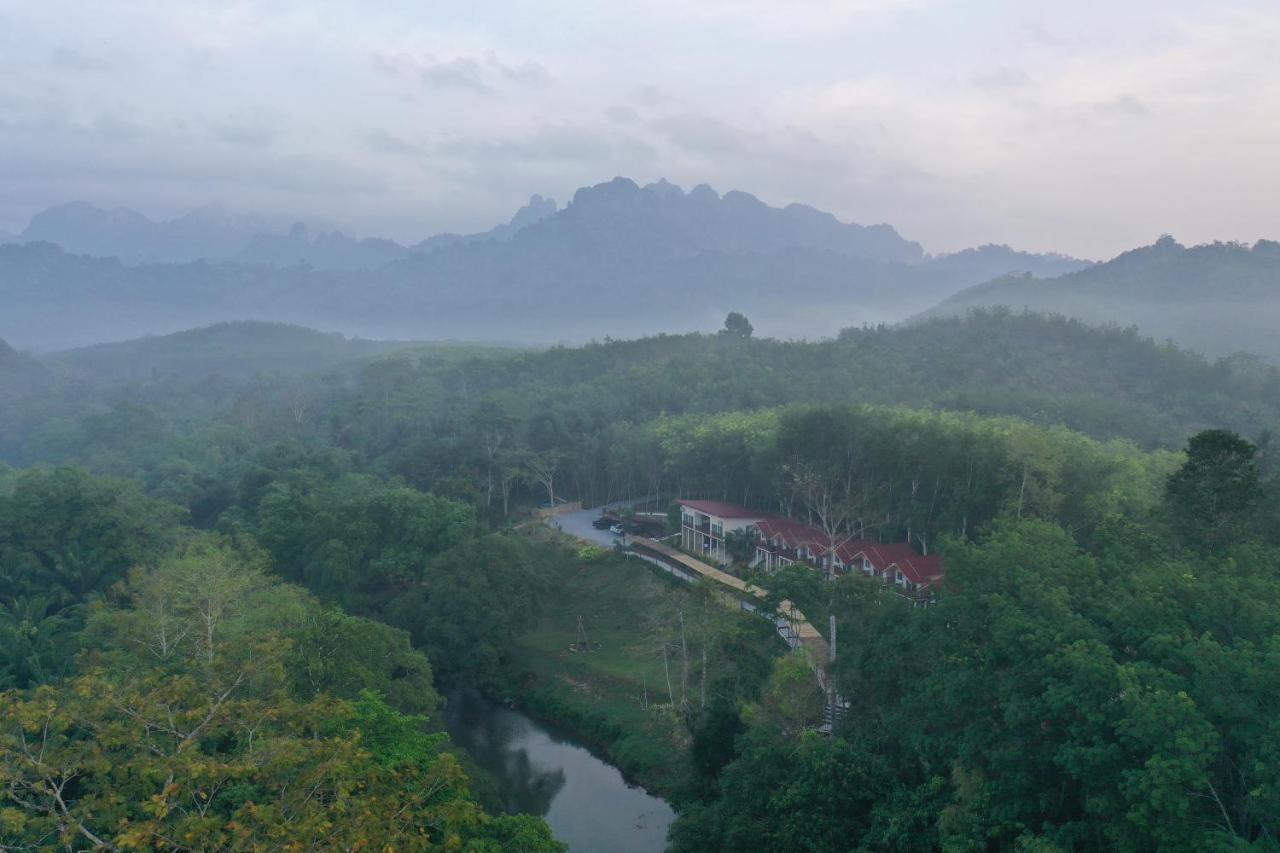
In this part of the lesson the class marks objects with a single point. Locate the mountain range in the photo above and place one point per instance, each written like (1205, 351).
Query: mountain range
(618, 260)
(212, 233)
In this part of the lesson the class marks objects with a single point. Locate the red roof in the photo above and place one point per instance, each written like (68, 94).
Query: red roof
(796, 534)
(914, 567)
(722, 510)
(849, 551)
(792, 532)
(917, 569)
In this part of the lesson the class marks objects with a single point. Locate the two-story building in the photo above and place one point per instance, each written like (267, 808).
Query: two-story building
(704, 524)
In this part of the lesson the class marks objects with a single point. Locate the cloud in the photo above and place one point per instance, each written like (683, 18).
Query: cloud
(649, 96)
(1002, 77)
(461, 73)
(1081, 128)
(703, 134)
(245, 131)
(480, 73)
(558, 143)
(116, 127)
(528, 72)
(69, 59)
(1123, 104)
(388, 143)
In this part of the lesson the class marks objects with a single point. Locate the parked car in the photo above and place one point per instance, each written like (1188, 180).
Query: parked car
(616, 530)
(602, 523)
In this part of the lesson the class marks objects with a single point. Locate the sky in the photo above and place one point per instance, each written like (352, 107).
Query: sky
(1086, 127)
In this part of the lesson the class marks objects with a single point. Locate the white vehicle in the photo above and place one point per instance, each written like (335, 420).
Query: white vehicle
(616, 529)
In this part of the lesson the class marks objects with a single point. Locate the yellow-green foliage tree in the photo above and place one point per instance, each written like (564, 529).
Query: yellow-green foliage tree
(186, 729)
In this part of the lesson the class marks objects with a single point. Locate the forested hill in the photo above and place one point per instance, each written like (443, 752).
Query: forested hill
(232, 350)
(619, 260)
(1220, 298)
(1107, 382)
(20, 375)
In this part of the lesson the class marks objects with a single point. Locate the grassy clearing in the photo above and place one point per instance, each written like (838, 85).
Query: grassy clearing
(632, 610)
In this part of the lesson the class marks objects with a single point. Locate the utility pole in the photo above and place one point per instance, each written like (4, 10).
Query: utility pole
(831, 678)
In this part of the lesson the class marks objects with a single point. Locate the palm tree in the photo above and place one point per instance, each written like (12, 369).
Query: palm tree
(34, 633)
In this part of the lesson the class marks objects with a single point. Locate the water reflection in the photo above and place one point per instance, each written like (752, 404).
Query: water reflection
(585, 800)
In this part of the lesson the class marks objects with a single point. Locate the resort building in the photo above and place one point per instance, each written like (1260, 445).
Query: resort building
(781, 542)
(704, 524)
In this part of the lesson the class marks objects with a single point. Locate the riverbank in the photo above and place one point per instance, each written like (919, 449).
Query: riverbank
(623, 697)
(538, 769)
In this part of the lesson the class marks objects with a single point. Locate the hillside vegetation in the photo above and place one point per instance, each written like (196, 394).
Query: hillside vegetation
(1096, 671)
(1105, 382)
(1218, 299)
(228, 350)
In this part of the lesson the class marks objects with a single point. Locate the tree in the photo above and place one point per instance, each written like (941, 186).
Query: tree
(1214, 498)
(36, 640)
(826, 497)
(340, 655)
(474, 600)
(717, 728)
(740, 546)
(543, 467)
(792, 702)
(736, 325)
(180, 732)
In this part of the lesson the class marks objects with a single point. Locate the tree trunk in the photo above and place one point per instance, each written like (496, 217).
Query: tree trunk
(702, 692)
(667, 670)
(684, 666)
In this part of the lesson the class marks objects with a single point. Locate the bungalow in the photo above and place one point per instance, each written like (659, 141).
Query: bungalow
(784, 542)
(895, 563)
(704, 524)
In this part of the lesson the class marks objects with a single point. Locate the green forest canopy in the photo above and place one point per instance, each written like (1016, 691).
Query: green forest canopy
(1095, 674)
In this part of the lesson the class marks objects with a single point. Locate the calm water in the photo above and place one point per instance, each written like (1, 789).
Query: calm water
(585, 800)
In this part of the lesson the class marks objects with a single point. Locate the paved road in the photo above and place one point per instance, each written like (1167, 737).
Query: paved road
(579, 524)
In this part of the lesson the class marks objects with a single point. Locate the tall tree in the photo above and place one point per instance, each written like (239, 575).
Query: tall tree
(737, 325)
(1213, 500)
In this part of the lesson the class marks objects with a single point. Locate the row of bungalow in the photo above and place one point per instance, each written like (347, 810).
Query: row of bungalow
(781, 542)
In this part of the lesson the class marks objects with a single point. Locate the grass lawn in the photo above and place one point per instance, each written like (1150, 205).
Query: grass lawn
(632, 610)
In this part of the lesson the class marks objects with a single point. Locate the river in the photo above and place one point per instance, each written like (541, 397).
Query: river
(539, 771)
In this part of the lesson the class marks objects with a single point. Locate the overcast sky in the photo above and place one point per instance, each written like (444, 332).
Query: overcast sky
(1082, 127)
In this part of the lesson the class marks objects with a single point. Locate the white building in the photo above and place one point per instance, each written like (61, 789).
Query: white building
(704, 524)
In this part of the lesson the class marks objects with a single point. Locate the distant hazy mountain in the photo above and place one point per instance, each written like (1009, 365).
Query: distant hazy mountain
(536, 210)
(1218, 299)
(618, 260)
(621, 216)
(213, 234)
(975, 263)
(81, 228)
(332, 250)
